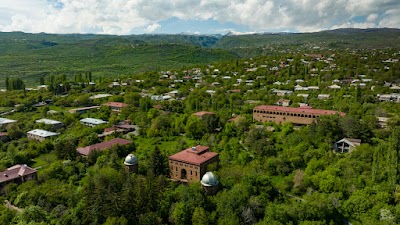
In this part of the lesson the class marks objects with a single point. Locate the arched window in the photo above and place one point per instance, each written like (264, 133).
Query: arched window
(183, 174)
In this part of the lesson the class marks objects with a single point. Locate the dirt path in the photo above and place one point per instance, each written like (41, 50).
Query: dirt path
(12, 207)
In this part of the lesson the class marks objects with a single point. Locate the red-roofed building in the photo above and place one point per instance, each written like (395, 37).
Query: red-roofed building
(190, 164)
(102, 146)
(116, 106)
(280, 114)
(202, 113)
(17, 174)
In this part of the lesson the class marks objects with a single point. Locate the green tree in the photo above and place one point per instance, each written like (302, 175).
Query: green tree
(156, 163)
(180, 214)
(33, 214)
(195, 128)
(199, 216)
(393, 156)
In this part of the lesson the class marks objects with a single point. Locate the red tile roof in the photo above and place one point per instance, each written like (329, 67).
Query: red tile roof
(298, 110)
(3, 134)
(15, 172)
(103, 145)
(115, 104)
(202, 113)
(196, 155)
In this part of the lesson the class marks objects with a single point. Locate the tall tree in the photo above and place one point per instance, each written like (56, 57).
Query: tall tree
(156, 166)
(7, 83)
(393, 156)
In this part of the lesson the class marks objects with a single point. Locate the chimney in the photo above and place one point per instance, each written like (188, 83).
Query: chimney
(193, 148)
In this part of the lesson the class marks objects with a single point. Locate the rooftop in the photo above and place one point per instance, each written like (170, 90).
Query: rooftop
(83, 108)
(195, 155)
(299, 110)
(15, 172)
(93, 121)
(103, 145)
(115, 104)
(42, 133)
(100, 96)
(48, 121)
(202, 113)
(5, 121)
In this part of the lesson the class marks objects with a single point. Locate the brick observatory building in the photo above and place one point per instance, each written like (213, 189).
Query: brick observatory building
(190, 164)
(300, 116)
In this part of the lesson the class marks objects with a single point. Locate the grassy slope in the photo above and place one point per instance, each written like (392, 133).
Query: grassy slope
(29, 56)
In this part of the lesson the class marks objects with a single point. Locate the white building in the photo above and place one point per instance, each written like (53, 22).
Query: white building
(41, 135)
(4, 122)
(91, 122)
(56, 124)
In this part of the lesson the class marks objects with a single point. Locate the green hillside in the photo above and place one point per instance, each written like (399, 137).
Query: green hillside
(29, 56)
(341, 38)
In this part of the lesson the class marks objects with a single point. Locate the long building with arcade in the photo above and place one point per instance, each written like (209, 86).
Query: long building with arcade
(299, 116)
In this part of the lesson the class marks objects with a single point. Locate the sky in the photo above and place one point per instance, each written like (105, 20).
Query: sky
(123, 17)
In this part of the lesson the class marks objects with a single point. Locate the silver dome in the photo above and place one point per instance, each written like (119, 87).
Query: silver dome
(209, 179)
(131, 160)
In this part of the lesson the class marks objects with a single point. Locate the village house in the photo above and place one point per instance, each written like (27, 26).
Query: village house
(17, 174)
(85, 151)
(347, 145)
(281, 92)
(54, 123)
(41, 135)
(334, 86)
(394, 97)
(4, 122)
(99, 96)
(124, 128)
(303, 95)
(91, 122)
(323, 96)
(283, 102)
(83, 110)
(116, 106)
(298, 116)
(382, 122)
(191, 164)
(300, 88)
(202, 113)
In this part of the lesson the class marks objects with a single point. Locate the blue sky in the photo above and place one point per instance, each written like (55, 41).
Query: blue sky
(194, 16)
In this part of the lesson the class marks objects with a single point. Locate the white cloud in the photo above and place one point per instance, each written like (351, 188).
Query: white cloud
(152, 27)
(124, 17)
(372, 17)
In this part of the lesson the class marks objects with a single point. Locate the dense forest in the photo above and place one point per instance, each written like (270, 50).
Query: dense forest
(268, 173)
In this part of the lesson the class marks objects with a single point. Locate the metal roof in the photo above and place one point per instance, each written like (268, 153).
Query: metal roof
(5, 121)
(93, 121)
(42, 133)
(48, 121)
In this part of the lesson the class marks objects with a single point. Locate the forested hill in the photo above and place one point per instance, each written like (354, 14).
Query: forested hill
(340, 38)
(31, 56)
